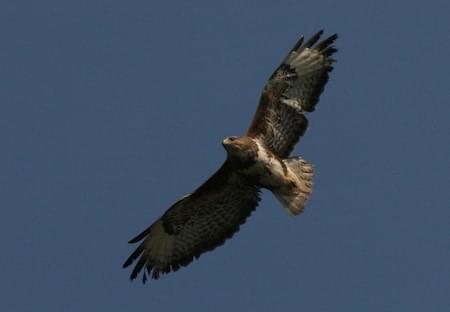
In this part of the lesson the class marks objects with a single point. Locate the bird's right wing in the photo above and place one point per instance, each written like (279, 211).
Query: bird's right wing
(197, 223)
(293, 89)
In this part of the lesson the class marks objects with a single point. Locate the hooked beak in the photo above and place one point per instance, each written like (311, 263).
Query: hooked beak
(228, 142)
(229, 139)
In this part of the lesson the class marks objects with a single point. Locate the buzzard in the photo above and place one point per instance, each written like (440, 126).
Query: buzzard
(204, 219)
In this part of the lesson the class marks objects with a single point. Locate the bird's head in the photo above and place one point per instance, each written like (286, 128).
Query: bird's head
(232, 144)
(239, 147)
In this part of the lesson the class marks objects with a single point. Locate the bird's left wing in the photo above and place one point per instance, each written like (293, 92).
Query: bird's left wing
(197, 223)
(293, 89)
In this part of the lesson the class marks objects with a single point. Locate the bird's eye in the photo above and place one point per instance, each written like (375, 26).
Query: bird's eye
(231, 139)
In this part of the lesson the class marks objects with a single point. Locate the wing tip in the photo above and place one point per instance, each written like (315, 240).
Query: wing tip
(138, 267)
(325, 47)
(126, 264)
(298, 44)
(312, 41)
(140, 236)
(134, 255)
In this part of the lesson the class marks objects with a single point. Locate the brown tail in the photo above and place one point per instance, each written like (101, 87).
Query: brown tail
(294, 199)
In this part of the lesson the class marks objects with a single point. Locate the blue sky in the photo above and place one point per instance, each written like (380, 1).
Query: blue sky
(111, 110)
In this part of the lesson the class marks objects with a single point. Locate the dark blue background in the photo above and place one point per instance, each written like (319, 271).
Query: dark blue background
(111, 110)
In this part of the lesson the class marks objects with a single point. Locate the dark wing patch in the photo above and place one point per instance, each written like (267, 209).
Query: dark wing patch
(294, 88)
(195, 224)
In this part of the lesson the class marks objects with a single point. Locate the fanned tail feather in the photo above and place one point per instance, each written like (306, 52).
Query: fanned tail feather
(294, 199)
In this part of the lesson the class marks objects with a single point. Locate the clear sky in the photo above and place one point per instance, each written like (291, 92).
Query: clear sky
(111, 110)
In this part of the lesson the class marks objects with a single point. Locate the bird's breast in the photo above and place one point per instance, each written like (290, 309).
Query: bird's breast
(267, 170)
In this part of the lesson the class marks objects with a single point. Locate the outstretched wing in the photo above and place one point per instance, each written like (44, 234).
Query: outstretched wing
(294, 88)
(197, 223)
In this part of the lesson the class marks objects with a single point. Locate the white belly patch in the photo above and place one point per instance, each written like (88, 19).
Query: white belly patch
(269, 170)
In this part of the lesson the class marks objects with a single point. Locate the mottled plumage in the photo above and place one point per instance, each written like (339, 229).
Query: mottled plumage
(204, 219)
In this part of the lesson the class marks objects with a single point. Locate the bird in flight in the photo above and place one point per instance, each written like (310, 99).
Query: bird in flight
(204, 219)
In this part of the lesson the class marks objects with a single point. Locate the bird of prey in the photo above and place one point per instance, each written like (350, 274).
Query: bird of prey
(204, 219)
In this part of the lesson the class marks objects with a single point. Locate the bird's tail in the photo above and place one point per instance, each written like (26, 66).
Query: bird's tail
(294, 197)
